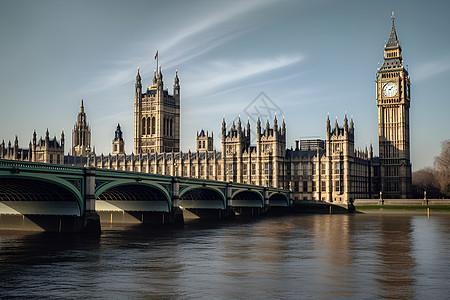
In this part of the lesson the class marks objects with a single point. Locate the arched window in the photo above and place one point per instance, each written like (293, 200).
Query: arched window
(148, 125)
(143, 126)
(164, 126)
(153, 125)
(171, 123)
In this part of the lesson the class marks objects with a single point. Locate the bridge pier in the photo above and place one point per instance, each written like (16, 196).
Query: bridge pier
(90, 218)
(176, 215)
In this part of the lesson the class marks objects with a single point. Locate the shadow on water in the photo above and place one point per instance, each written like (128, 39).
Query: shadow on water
(291, 257)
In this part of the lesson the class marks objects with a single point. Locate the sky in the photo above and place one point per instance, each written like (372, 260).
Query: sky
(303, 60)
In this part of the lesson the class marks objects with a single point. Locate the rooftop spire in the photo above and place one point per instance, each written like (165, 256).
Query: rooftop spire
(393, 40)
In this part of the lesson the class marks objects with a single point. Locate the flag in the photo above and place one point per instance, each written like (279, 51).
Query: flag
(156, 55)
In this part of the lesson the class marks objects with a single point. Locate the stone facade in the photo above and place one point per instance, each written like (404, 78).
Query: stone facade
(44, 150)
(156, 116)
(329, 170)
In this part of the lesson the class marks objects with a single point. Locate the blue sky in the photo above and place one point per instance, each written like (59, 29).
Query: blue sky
(311, 58)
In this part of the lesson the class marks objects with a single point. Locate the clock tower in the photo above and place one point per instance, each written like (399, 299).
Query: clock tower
(393, 101)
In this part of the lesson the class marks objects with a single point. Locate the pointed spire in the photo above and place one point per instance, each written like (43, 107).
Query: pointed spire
(328, 123)
(82, 106)
(138, 76)
(393, 40)
(154, 78)
(160, 73)
(176, 79)
(345, 123)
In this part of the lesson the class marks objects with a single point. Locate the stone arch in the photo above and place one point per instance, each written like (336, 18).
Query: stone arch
(278, 199)
(247, 198)
(202, 197)
(130, 195)
(153, 125)
(45, 195)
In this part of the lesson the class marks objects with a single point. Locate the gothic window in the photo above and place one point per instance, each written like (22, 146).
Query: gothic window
(153, 125)
(171, 123)
(143, 126)
(164, 126)
(148, 125)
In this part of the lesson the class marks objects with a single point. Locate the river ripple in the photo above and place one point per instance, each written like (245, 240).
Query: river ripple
(291, 257)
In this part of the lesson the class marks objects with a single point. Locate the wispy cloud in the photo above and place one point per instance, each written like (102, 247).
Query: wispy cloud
(221, 73)
(432, 68)
(214, 27)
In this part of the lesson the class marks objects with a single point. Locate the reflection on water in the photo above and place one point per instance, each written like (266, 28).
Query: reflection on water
(321, 256)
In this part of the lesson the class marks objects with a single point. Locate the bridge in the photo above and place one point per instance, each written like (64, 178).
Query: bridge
(74, 199)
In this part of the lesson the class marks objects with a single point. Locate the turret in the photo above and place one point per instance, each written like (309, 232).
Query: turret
(160, 80)
(176, 84)
(224, 129)
(345, 125)
(62, 138)
(283, 128)
(258, 128)
(328, 126)
(248, 128)
(275, 125)
(239, 127)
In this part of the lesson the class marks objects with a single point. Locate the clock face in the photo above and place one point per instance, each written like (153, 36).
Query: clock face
(390, 89)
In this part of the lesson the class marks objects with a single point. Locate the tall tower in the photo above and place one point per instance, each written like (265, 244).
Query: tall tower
(156, 116)
(81, 134)
(393, 101)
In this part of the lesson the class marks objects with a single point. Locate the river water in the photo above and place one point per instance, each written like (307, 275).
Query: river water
(361, 256)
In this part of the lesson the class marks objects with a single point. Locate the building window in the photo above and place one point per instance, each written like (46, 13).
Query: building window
(253, 169)
(324, 186)
(324, 169)
(313, 186)
(153, 125)
(305, 186)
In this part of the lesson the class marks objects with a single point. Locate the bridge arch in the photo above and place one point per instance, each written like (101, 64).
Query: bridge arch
(202, 197)
(43, 195)
(247, 198)
(130, 195)
(278, 199)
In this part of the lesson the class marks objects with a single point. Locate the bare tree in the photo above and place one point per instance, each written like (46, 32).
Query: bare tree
(442, 165)
(425, 180)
